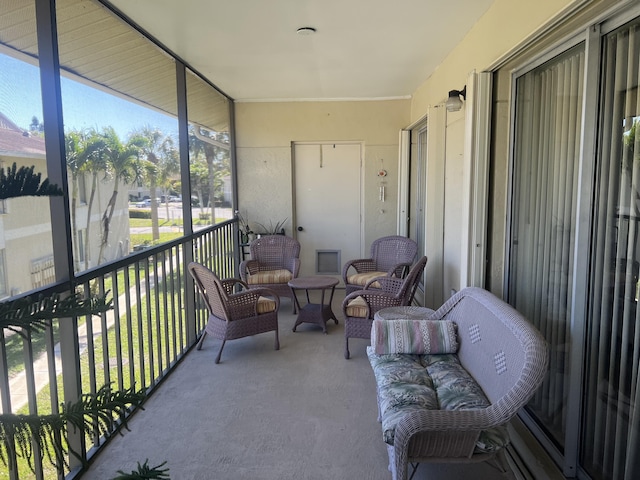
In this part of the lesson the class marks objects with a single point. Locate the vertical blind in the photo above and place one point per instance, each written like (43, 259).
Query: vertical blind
(541, 262)
(545, 187)
(610, 444)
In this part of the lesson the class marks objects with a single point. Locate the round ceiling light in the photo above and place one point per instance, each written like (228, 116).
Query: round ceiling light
(306, 30)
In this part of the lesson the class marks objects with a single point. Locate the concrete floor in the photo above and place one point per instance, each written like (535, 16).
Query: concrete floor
(303, 412)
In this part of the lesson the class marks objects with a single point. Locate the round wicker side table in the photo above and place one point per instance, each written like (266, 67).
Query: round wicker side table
(317, 313)
(403, 313)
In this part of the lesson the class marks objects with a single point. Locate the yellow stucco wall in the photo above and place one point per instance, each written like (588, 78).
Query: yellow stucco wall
(264, 135)
(505, 25)
(265, 130)
(509, 29)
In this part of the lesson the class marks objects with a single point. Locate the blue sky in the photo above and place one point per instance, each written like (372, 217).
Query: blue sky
(83, 106)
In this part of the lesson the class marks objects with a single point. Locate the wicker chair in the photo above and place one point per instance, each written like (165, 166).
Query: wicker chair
(390, 256)
(235, 315)
(359, 307)
(274, 260)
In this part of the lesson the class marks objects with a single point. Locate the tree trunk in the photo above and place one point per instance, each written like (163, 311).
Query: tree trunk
(212, 188)
(87, 249)
(166, 204)
(74, 223)
(155, 229)
(200, 198)
(106, 224)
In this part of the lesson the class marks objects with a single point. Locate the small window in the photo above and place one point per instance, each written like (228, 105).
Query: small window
(42, 271)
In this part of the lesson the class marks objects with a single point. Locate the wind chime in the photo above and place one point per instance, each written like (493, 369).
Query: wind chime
(382, 174)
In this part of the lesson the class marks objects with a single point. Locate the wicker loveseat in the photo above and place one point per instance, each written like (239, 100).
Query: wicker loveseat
(443, 406)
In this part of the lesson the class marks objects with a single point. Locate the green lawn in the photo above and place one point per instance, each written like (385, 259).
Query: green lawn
(15, 343)
(145, 238)
(15, 349)
(146, 222)
(133, 336)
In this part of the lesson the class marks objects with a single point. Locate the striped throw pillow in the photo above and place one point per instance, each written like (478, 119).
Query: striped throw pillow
(414, 336)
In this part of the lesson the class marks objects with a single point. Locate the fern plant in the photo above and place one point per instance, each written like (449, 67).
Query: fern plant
(21, 182)
(105, 409)
(26, 313)
(145, 472)
(273, 228)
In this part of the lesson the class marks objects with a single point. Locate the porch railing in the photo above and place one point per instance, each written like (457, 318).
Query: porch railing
(156, 319)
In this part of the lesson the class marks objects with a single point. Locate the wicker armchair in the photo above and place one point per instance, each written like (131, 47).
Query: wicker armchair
(359, 307)
(274, 260)
(234, 315)
(390, 256)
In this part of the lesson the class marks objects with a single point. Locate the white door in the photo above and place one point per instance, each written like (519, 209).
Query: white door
(327, 205)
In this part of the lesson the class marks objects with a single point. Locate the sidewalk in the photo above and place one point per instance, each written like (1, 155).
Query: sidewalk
(18, 383)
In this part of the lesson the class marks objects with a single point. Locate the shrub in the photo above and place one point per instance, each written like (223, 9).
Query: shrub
(137, 213)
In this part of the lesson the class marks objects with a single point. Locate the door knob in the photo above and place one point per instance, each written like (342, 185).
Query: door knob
(300, 229)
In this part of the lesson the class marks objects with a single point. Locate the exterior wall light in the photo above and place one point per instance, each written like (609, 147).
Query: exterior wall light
(453, 102)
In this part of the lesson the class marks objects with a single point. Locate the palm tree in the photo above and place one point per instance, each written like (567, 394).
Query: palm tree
(160, 157)
(96, 163)
(216, 154)
(169, 169)
(84, 154)
(123, 166)
(199, 177)
(74, 150)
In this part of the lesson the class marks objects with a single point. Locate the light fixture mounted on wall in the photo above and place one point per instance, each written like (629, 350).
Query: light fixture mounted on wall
(453, 102)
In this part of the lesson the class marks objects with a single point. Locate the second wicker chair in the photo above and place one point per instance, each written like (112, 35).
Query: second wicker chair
(275, 259)
(390, 256)
(360, 307)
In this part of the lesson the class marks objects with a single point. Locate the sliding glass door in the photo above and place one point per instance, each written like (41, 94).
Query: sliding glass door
(561, 187)
(418, 188)
(610, 446)
(548, 125)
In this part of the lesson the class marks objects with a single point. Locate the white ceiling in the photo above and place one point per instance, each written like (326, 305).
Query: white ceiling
(363, 49)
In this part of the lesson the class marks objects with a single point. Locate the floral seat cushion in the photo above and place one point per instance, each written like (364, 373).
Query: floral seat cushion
(403, 385)
(409, 383)
(457, 390)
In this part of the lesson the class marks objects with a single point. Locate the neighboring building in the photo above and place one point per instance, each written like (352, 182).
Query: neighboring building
(26, 251)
